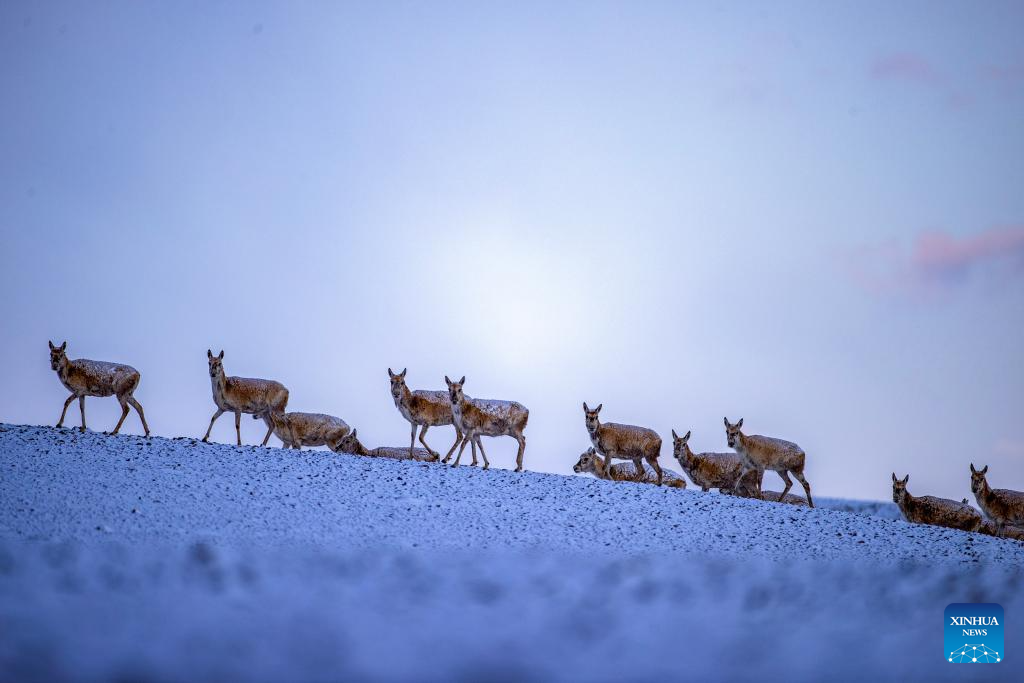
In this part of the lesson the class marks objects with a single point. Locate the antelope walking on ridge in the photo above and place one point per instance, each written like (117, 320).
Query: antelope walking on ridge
(308, 429)
(350, 444)
(713, 470)
(762, 453)
(592, 463)
(85, 377)
(933, 510)
(624, 442)
(256, 397)
(477, 417)
(1003, 507)
(424, 409)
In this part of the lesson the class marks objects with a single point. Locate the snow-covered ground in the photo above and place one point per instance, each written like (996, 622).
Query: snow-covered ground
(123, 558)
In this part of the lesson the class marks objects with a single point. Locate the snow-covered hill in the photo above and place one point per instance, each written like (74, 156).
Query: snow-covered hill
(135, 559)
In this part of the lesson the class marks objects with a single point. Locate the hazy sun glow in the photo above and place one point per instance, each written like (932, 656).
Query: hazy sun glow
(521, 305)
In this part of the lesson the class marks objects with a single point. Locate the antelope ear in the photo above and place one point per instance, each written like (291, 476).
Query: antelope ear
(63, 346)
(598, 408)
(984, 469)
(972, 468)
(674, 435)
(52, 347)
(209, 354)
(687, 437)
(390, 374)
(592, 451)
(894, 477)
(402, 373)
(740, 423)
(447, 381)
(585, 408)
(726, 421)
(906, 479)
(220, 356)
(463, 380)
(354, 432)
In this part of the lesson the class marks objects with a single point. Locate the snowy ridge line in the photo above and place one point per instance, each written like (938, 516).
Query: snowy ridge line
(64, 484)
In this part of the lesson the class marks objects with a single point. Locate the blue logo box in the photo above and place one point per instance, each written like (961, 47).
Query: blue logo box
(973, 633)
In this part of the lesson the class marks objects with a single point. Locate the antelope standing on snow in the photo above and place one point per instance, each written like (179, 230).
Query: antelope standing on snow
(84, 377)
(722, 471)
(1001, 506)
(256, 397)
(713, 470)
(425, 409)
(308, 429)
(477, 417)
(762, 453)
(350, 444)
(932, 510)
(624, 442)
(591, 463)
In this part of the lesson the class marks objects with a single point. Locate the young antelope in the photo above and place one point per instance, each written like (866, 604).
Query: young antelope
(762, 453)
(85, 377)
(624, 442)
(1003, 507)
(256, 397)
(476, 417)
(425, 409)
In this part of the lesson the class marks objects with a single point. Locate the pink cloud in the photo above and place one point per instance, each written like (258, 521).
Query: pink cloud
(937, 261)
(940, 256)
(904, 66)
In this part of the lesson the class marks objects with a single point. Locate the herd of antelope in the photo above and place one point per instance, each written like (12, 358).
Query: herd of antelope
(739, 473)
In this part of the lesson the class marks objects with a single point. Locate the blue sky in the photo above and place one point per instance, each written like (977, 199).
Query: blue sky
(807, 215)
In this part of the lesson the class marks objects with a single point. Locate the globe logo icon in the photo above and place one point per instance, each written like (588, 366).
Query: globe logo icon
(974, 654)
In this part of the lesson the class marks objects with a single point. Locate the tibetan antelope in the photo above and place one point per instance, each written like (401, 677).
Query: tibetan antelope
(776, 497)
(932, 510)
(476, 417)
(1003, 507)
(591, 463)
(713, 470)
(762, 453)
(256, 397)
(424, 409)
(990, 529)
(308, 429)
(350, 444)
(624, 442)
(84, 377)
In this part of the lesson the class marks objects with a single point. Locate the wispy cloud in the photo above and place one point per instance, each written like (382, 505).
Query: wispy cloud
(906, 67)
(959, 88)
(937, 261)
